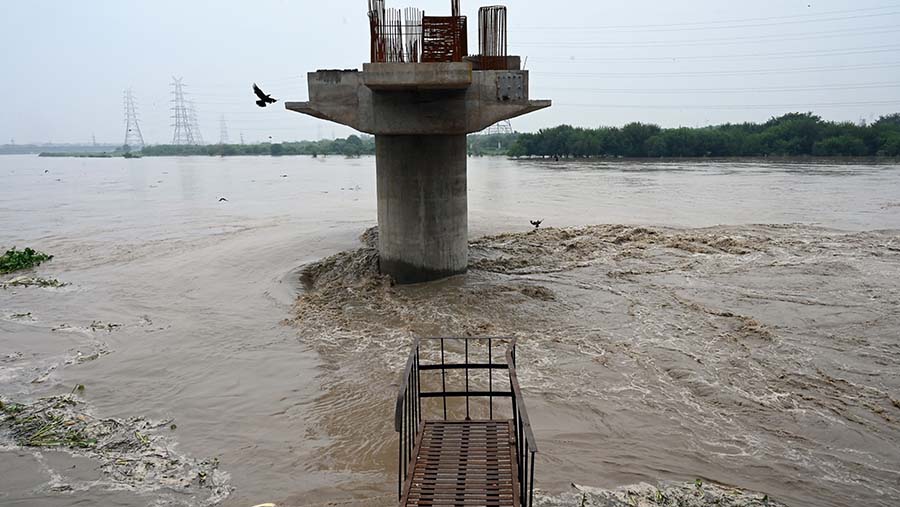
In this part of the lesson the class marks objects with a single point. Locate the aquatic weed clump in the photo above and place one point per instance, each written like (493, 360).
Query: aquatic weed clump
(132, 453)
(47, 424)
(693, 494)
(32, 281)
(16, 260)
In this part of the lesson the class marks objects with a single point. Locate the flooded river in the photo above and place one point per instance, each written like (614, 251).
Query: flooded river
(733, 322)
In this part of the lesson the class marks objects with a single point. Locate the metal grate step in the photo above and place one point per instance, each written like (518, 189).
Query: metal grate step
(464, 463)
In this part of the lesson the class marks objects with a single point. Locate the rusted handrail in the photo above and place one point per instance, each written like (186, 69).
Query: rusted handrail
(408, 415)
(517, 397)
(409, 423)
(526, 447)
(405, 382)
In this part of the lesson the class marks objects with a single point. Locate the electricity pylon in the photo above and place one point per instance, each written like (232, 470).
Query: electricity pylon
(133, 136)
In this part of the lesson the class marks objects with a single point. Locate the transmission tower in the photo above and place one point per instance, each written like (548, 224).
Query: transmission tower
(133, 136)
(500, 128)
(223, 131)
(184, 116)
(195, 125)
(503, 127)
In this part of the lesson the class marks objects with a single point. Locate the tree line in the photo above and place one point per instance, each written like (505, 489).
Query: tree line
(790, 135)
(491, 144)
(793, 134)
(352, 146)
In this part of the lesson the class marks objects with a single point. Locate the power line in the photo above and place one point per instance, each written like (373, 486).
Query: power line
(263, 81)
(793, 70)
(583, 44)
(266, 129)
(733, 106)
(133, 136)
(664, 28)
(890, 48)
(747, 20)
(676, 91)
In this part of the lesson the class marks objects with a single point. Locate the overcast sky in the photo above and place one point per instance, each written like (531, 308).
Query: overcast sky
(65, 63)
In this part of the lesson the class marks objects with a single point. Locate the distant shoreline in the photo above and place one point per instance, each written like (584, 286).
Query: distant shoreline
(102, 154)
(800, 159)
(797, 159)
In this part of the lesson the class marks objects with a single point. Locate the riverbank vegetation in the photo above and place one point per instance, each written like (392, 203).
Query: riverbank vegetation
(103, 154)
(790, 135)
(491, 145)
(34, 149)
(353, 146)
(16, 260)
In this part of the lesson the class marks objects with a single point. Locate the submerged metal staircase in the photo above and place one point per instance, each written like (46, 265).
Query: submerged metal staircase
(447, 457)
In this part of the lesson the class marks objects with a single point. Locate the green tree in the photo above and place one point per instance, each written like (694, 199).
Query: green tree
(844, 145)
(890, 145)
(634, 137)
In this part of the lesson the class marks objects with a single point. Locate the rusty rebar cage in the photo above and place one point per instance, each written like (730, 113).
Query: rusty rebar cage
(411, 37)
(492, 37)
(413, 34)
(444, 38)
(386, 25)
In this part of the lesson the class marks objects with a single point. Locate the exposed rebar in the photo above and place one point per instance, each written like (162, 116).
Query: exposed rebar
(492, 37)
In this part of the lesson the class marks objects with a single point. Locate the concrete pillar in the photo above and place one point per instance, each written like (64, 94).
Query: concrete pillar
(420, 114)
(422, 206)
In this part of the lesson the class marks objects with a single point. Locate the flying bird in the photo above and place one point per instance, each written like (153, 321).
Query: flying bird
(264, 99)
(536, 223)
(222, 199)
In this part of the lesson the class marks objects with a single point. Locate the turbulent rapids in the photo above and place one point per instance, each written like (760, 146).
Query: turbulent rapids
(758, 361)
(650, 351)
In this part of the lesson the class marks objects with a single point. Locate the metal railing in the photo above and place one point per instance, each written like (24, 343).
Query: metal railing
(409, 422)
(526, 447)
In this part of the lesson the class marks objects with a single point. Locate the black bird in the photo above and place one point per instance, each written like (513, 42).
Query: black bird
(536, 223)
(264, 99)
(222, 199)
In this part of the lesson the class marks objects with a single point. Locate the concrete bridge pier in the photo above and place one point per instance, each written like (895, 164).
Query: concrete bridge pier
(420, 114)
(422, 206)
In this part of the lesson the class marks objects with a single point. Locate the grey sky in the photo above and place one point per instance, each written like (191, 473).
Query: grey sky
(66, 63)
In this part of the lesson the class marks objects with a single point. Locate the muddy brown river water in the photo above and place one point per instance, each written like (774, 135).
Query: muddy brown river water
(732, 322)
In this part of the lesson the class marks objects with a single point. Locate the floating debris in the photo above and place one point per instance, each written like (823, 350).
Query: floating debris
(100, 350)
(104, 326)
(131, 453)
(695, 494)
(32, 281)
(16, 260)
